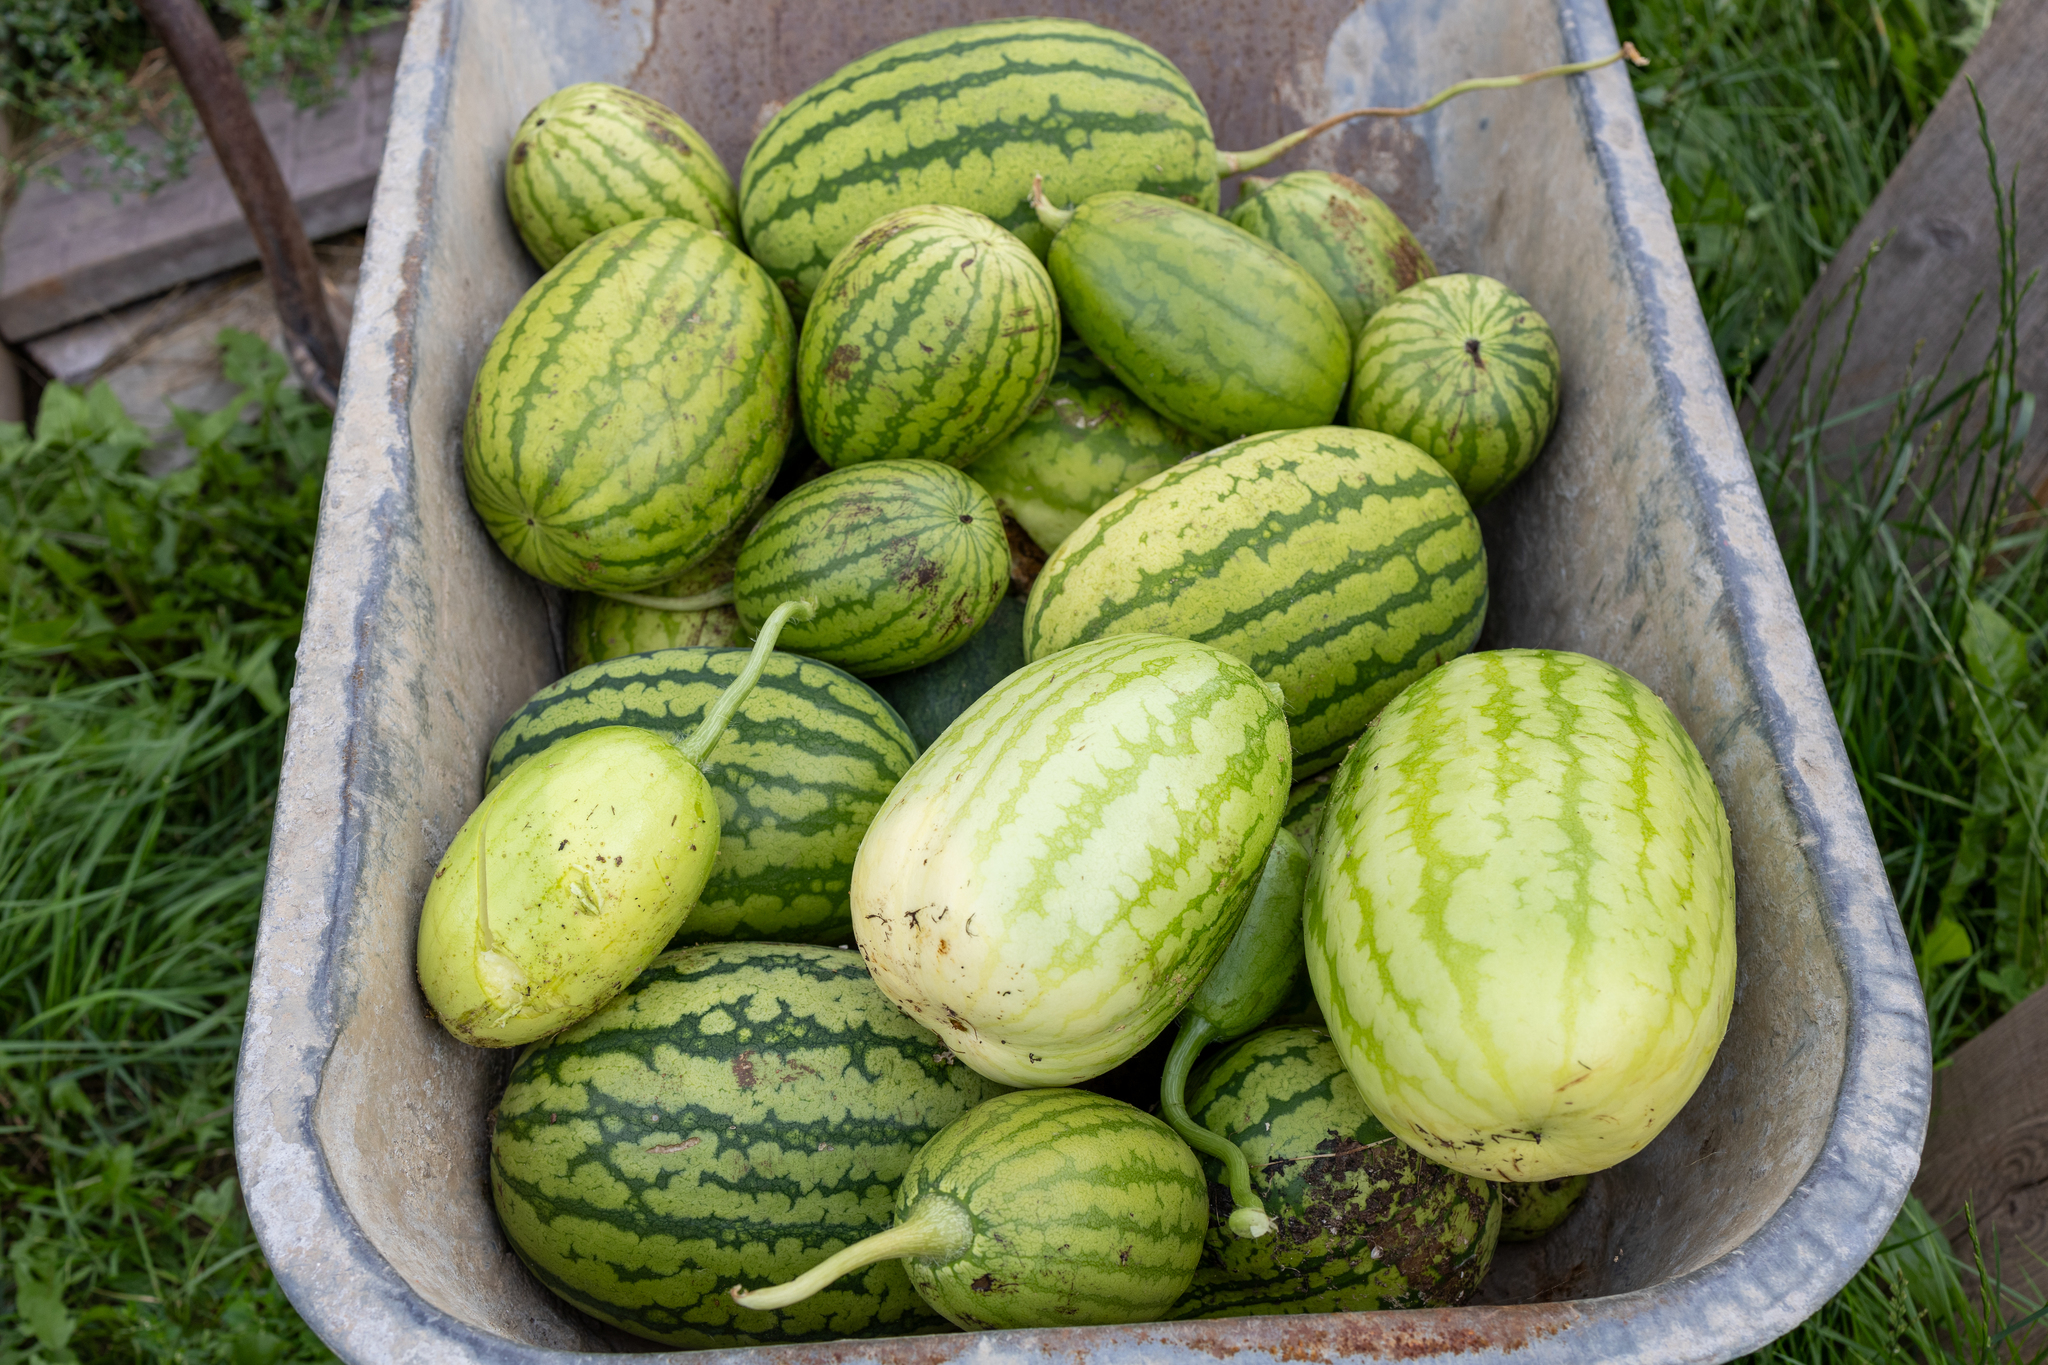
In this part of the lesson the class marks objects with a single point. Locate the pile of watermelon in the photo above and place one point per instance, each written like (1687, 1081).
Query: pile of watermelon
(1026, 841)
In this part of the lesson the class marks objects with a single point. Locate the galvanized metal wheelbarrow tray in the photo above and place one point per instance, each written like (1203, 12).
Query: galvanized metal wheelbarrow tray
(1639, 537)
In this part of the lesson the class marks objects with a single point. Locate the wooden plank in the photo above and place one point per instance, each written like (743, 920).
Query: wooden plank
(68, 256)
(1987, 1145)
(1943, 248)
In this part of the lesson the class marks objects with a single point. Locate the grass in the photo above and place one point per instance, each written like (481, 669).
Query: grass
(141, 718)
(148, 624)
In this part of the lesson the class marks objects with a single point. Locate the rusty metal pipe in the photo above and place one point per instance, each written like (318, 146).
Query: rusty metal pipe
(245, 157)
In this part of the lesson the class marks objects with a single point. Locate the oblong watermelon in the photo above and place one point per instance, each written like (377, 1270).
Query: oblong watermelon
(1361, 1222)
(1214, 329)
(1087, 440)
(1463, 367)
(931, 338)
(1341, 564)
(633, 408)
(799, 774)
(1052, 879)
(904, 560)
(1521, 915)
(593, 156)
(741, 1112)
(966, 116)
(1357, 248)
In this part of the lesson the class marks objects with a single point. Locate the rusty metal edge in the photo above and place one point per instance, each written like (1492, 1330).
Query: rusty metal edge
(1807, 1249)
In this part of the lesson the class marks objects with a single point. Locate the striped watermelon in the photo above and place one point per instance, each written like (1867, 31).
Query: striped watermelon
(1305, 801)
(1211, 327)
(801, 771)
(904, 558)
(1360, 1221)
(743, 1110)
(1087, 1211)
(1088, 440)
(602, 628)
(593, 156)
(931, 338)
(632, 409)
(1521, 915)
(1341, 564)
(1342, 233)
(1049, 883)
(932, 697)
(966, 116)
(1534, 1210)
(1463, 367)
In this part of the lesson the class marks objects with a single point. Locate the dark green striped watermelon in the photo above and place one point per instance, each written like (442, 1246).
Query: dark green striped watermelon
(931, 338)
(1463, 367)
(601, 628)
(932, 697)
(593, 156)
(1305, 808)
(801, 771)
(1087, 440)
(904, 559)
(743, 1110)
(966, 116)
(1085, 1211)
(1211, 327)
(1357, 248)
(1360, 1221)
(1340, 564)
(633, 408)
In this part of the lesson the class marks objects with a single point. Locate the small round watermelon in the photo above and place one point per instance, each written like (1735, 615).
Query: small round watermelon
(593, 156)
(632, 410)
(1463, 367)
(1088, 440)
(1358, 249)
(904, 560)
(603, 628)
(930, 338)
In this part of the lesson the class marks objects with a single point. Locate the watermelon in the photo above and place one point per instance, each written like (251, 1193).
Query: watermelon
(932, 697)
(744, 1110)
(1088, 440)
(905, 560)
(1521, 915)
(1463, 367)
(802, 769)
(1535, 1209)
(931, 338)
(1340, 564)
(1051, 880)
(966, 116)
(1360, 1221)
(633, 408)
(593, 156)
(1213, 328)
(1357, 248)
(1305, 801)
(1041, 1208)
(602, 628)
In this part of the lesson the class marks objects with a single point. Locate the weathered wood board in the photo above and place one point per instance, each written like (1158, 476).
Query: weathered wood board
(1942, 250)
(70, 255)
(1987, 1145)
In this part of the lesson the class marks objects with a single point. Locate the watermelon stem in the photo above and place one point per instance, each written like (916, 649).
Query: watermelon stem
(1234, 163)
(707, 733)
(1053, 218)
(1249, 1217)
(937, 1228)
(704, 601)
